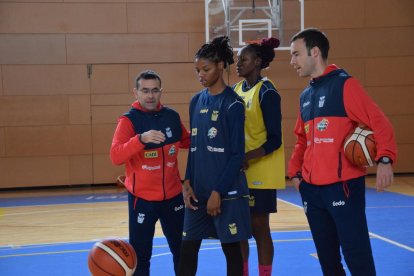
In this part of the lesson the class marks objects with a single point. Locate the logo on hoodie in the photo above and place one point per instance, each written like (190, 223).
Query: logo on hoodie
(172, 150)
(321, 101)
(151, 154)
(323, 125)
(212, 133)
(214, 115)
(168, 132)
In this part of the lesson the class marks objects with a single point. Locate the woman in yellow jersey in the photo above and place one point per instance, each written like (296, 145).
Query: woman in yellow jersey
(264, 160)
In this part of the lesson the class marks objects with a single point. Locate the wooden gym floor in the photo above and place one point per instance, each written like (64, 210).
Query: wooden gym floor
(48, 223)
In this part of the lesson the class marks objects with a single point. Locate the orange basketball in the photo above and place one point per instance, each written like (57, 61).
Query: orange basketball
(360, 147)
(112, 257)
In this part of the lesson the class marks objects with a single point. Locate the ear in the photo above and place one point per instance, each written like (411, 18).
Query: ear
(315, 52)
(220, 65)
(135, 91)
(258, 62)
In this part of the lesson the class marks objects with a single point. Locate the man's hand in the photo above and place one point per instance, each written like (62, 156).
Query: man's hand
(188, 195)
(213, 204)
(152, 136)
(296, 182)
(385, 176)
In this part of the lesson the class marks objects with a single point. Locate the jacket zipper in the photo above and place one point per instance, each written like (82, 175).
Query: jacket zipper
(313, 134)
(340, 166)
(133, 183)
(163, 172)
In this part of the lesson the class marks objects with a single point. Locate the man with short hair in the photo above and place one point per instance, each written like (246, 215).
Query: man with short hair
(147, 140)
(332, 189)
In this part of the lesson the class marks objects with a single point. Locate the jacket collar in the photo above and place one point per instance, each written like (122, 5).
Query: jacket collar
(138, 106)
(331, 69)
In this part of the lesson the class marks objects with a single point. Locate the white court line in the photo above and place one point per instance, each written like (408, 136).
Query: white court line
(389, 207)
(252, 244)
(61, 210)
(60, 204)
(372, 234)
(392, 242)
(35, 245)
(290, 203)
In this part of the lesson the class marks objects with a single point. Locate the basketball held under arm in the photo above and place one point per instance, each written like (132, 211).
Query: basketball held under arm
(362, 109)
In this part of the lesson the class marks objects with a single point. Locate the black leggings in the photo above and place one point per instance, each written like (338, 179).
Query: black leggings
(189, 258)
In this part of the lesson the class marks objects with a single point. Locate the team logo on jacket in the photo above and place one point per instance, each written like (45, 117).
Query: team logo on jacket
(214, 149)
(214, 115)
(252, 201)
(212, 133)
(306, 128)
(172, 150)
(150, 168)
(321, 101)
(323, 125)
(318, 140)
(151, 154)
(168, 132)
(140, 218)
(233, 228)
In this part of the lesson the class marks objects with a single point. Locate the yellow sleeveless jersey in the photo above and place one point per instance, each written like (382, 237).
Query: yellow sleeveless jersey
(267, 172)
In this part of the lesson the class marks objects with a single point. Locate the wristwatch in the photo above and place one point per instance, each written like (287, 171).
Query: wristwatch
(385, 160)
(298, 175)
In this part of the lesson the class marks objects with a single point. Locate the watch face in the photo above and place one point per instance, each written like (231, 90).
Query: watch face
(385, 160)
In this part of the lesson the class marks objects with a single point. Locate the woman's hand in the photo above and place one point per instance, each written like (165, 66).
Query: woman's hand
(213, 204)
(188, 195)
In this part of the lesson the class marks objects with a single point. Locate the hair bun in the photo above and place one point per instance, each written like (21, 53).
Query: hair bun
(270, 42)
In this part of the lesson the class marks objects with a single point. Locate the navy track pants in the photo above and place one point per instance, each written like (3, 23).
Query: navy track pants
(143, 216)
(336, 216)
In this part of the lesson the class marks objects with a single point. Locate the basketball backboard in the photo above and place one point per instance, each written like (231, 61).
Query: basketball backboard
(247, 21)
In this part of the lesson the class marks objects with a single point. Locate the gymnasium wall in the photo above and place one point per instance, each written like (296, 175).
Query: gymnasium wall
(67, 69)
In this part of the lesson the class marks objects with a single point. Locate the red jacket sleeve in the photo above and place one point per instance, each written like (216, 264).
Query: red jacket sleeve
(296, 160)
(362, 109)
(185, 138)
(125, 142)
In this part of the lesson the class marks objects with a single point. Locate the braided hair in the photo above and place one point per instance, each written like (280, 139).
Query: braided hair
(217, 50)
(264, 50)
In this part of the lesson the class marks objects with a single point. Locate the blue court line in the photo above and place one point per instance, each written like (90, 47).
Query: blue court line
(294, 255)
(289, 194)
(390, 215)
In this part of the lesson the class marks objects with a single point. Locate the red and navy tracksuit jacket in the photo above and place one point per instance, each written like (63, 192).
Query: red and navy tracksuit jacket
(151, 169)
(330, 108)
(333, 190)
